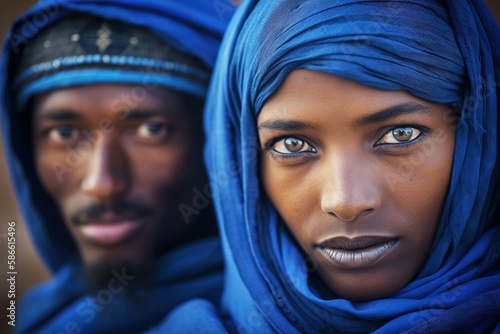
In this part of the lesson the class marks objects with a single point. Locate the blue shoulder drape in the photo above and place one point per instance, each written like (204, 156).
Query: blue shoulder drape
(441, 51)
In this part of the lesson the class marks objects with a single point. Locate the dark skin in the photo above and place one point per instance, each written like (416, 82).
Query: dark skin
(359, 175)
(119, 189)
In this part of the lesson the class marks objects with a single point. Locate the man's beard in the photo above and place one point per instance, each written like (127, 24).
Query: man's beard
(122, 279)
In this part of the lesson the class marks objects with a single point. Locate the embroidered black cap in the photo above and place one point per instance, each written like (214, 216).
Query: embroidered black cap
(83, 49)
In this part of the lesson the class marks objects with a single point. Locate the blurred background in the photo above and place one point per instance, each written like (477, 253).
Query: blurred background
(30, 270)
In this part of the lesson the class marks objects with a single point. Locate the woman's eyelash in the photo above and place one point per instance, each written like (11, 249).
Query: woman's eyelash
(403, 129)
(288, 153)
(290, 140)
(270, 143)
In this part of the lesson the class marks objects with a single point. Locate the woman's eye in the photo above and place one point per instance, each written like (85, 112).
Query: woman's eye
(151, 129)
(292, 145)
(63, 133)
(400, 135)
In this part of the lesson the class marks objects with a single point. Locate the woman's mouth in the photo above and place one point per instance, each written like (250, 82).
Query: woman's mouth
(357, 253)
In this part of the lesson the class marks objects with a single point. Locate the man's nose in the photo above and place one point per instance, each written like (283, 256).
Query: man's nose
(350, 187)
(106, 174)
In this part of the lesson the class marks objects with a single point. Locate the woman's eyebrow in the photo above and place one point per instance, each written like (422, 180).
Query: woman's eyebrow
(391, 112)
(285, 125)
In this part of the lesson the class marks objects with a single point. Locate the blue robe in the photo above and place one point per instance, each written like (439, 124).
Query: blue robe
(441, 51)
(192, 270)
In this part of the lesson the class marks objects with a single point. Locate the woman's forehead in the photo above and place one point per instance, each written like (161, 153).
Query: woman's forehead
(305, 93)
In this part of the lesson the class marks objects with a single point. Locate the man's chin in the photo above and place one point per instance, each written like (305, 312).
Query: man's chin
(129, 274)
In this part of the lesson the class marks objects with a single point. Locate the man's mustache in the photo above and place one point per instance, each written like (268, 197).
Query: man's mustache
(117, 207)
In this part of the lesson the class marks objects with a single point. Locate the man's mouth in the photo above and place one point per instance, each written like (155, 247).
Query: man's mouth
(110, 226)
(111, 232)
(357, 253)
(108, 233)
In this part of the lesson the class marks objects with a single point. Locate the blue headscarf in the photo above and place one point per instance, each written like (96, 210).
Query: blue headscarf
(441, 51)
(189, 271)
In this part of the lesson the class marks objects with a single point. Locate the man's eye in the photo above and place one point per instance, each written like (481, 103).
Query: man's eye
(292, 145)
(63, 133)
(400, 135)
(152, 129)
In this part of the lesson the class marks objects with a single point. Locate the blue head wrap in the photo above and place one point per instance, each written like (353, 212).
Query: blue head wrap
(441, 51)
(192, 270)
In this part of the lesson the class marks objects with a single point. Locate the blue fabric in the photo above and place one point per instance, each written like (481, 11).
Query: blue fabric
(190, 271)
(442, 51)
(89, 76)
(200, 312)
(195, 270)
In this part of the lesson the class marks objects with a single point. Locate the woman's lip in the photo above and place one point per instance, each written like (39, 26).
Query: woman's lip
(355, 243)
(110, 234)
(357, 253)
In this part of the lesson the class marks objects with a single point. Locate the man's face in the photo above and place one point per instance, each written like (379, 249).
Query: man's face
(118, 160)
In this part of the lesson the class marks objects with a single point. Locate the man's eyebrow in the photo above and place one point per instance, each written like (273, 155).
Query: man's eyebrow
(391, 112)
(138, 114)
(285, 125)
(59, 115)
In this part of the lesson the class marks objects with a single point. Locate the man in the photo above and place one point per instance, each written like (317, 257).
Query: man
(102, 104)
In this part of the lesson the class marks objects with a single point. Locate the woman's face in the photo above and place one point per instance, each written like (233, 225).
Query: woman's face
(359, 175)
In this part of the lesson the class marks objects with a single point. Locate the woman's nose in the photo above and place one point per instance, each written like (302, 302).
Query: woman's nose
(350, 187)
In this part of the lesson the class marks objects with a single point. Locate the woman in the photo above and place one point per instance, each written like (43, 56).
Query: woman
(352, 150)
